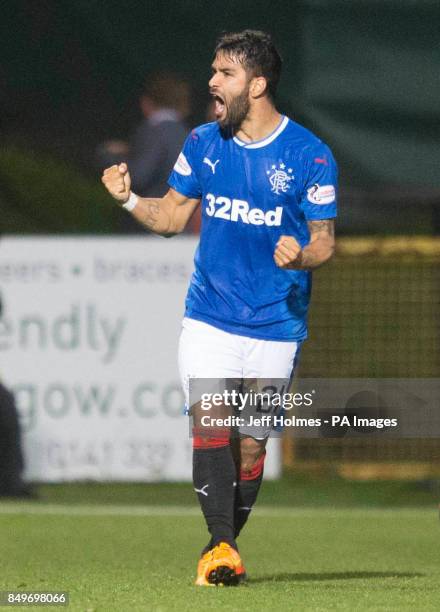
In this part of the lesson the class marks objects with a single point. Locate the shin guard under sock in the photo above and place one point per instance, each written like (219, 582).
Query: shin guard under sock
(214, 477)
(246, 494)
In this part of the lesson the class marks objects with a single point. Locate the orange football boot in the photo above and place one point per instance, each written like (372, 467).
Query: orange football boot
(202, 569)
(224, 567)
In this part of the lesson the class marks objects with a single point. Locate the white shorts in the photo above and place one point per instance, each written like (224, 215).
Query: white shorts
(208, 352)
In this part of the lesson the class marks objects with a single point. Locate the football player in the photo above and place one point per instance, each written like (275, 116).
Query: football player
(267, 189)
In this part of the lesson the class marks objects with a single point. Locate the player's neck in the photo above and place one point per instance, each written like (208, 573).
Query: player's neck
(260, 123)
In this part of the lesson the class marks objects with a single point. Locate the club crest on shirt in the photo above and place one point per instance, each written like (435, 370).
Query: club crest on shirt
(279, 179)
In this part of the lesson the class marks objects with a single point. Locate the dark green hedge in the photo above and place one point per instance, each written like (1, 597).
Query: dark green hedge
(39, 194)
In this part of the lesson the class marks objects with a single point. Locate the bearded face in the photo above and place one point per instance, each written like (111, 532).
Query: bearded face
(232, 110)
(229, 86)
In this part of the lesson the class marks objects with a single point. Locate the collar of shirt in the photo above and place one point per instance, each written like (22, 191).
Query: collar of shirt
(163, 114)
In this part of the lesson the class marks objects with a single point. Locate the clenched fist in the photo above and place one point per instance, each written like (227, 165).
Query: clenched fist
(117, 182)
(288, 253)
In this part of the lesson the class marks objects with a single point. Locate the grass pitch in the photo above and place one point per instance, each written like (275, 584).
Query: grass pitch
(143, 557)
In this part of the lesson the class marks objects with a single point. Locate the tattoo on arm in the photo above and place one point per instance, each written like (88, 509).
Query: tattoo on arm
(321, 245)
(151, 215)
(325, 225)
(155, 215)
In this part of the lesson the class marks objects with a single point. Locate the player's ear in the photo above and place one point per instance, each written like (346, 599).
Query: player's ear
(258, 86)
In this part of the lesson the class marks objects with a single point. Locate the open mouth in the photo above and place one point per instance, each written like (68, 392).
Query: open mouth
(220, 106)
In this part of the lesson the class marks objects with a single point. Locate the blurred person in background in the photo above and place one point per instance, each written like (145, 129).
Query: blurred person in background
(11, 456)
(268, 191)
(156, 142)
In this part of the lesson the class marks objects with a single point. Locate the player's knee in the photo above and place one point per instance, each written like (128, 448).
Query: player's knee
(251, 452)
(248, 464)
(208, 430)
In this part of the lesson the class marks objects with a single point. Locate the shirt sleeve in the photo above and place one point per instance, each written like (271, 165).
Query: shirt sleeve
(318, 198)
(183, 177)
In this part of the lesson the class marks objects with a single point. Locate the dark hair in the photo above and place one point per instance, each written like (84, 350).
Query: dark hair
(256, 51)
(168, 90)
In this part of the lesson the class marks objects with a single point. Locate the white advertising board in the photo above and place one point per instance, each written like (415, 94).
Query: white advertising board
(88, 345)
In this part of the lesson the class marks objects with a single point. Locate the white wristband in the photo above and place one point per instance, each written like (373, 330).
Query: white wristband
(131, 202)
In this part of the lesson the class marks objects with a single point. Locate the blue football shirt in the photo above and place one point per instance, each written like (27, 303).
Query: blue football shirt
(251, 194)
